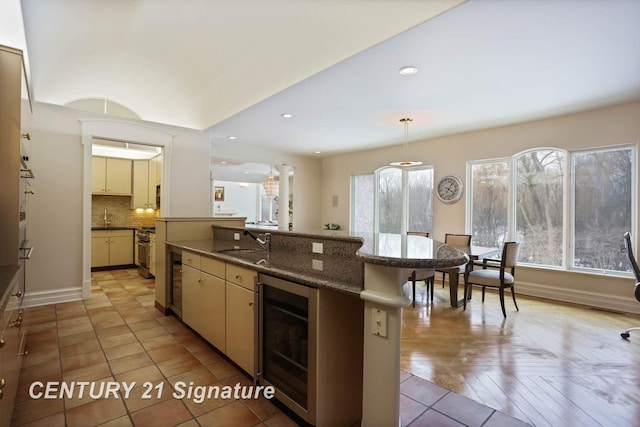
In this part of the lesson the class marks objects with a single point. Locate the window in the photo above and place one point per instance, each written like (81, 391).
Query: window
(540, 205)
(489, 203)
(603, 207)
(601, 185)
(393, 200)
(362, 199)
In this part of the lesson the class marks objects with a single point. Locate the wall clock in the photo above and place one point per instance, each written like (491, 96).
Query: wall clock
(450, 189)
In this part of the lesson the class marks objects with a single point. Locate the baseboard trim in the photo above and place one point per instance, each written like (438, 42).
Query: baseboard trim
(573, 296)
(591, 299)
(57, 296)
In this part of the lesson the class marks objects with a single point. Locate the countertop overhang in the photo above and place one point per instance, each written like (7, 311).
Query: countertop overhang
(409, 251)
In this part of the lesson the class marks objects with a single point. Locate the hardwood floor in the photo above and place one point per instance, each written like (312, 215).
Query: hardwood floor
(550, 364)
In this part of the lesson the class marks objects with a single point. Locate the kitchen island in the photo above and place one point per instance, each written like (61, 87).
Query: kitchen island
(360, 275)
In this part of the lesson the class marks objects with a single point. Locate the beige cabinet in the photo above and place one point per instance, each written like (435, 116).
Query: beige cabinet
(111, 248)
(144, 185)
(152, 253)
(241, 305)
(12, 341)
(110, 176)
(203, 297)
(219, 303)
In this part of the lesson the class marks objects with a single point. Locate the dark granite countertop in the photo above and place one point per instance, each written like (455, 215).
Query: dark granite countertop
(341, 274)
(402, 251)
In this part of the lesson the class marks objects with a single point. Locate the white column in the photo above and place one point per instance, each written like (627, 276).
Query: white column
(381, 358)
(283, 197)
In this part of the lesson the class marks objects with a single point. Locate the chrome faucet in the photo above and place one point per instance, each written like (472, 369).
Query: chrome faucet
(265, 243)
(106, 223)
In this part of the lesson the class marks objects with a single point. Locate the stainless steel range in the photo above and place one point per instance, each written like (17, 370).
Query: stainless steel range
(144, 251)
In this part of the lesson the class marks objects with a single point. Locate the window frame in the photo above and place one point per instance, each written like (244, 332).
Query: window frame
(568, 221)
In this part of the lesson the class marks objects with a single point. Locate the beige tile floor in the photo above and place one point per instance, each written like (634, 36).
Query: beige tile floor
(118, 336)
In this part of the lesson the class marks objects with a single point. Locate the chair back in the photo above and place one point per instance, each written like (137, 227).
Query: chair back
(418, 233)
(632, 259)
(458, 239)
(510, 253)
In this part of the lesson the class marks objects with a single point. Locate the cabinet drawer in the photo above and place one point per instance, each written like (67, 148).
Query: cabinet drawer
(191, 259)
(212, 266)
(241, 276)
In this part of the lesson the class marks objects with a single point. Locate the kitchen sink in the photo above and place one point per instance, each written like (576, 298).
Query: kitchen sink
(239, 251)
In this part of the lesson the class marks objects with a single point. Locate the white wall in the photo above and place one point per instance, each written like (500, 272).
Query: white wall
(56, 210)
(307, 179)
(607, 126)
(243, 199)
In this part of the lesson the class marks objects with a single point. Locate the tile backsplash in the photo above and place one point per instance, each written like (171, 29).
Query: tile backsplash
(119, 212)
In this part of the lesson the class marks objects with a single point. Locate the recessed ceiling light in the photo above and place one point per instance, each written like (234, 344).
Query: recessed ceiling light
(408, 70)
(286, 115)
(317, 152)
(231, 137)
(223, 162)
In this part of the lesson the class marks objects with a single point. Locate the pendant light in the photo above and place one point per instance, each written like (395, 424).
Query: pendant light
(404, 163)
(270, 185)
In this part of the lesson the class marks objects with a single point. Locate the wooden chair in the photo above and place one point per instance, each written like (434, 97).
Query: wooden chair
(460, 240)
(636, 272)
(500, 278)
(428, 275)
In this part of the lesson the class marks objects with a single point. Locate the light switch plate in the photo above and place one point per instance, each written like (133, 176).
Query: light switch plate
(379, 322)
(317, 264)
(236, 236)
(316, 248)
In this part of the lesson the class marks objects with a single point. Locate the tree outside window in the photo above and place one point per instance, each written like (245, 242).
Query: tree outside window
(540, 205)
(602, 199)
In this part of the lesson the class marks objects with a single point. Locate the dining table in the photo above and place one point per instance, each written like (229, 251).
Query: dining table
(475, 253)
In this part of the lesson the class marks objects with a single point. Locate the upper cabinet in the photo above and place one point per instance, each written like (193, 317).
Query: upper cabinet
(111, 176)
(145, 178)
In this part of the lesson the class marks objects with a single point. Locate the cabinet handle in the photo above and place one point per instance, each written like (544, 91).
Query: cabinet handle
(238, 277)
(2, 383)
(188, 259)
(251, 304)
(2, 343)
(16, 323)
(18, 294)
(24, 353)
(199, 280)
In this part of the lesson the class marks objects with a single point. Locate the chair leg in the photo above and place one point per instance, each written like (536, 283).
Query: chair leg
(626, 334)
(466, 293)
(413, 283)
(504, 312)
(513, 294)
(431, 283)
(443, 280)
(483, 288)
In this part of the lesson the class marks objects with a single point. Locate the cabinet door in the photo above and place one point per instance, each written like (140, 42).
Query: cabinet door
(100, 251)
(121, 250)
(152, 255)
(240, 326)
(118, 176)
(191, 285)
(212, 310)
(152, 185)
(140, 197)
(98, 175)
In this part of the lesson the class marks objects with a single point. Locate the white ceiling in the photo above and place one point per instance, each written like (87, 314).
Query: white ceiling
(231, 67)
